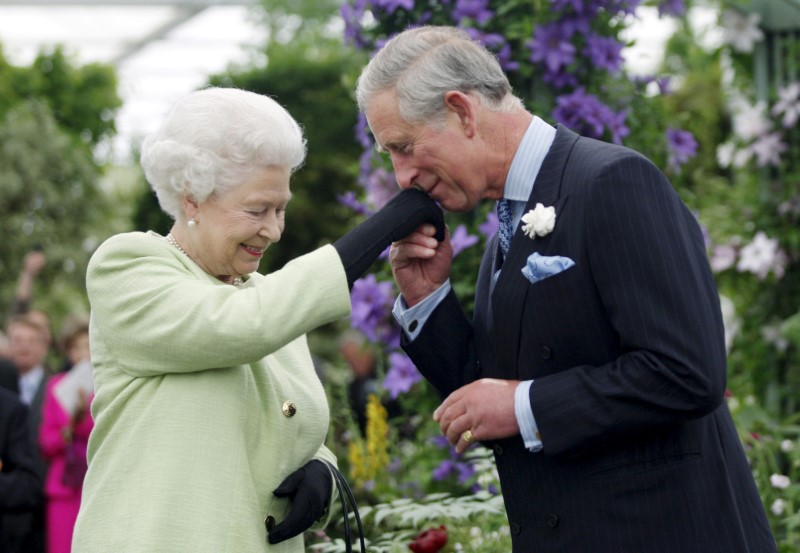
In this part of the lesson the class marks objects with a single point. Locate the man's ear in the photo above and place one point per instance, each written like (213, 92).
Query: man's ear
(464, 107)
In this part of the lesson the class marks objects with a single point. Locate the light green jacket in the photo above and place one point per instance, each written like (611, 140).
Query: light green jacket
(191, 376)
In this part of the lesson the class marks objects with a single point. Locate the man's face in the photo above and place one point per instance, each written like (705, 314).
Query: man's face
(27, 346)
(444, 163)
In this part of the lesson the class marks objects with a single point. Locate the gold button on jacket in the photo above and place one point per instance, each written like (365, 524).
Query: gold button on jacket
(289, 408)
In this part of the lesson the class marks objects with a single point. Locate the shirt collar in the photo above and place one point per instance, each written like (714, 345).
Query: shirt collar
(528, 160)
(29, 383)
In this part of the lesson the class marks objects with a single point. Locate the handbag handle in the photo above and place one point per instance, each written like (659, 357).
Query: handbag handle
(345, 493)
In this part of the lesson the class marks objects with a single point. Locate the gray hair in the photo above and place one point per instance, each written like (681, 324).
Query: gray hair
(212, 140)
(424, 63)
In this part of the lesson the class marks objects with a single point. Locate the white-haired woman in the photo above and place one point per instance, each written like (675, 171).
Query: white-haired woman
(209, 417)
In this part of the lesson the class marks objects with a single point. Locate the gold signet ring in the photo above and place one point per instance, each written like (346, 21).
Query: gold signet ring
(467, 437)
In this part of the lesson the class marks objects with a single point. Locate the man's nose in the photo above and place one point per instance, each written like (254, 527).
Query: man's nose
(404, 172)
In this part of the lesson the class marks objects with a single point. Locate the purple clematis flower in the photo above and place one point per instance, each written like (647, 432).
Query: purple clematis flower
(551, 46)
(675, 8)
(461, 239)
(389, 6)
(562, 5)
(476, 10)
(496, 43)
(682, 147)
(604, 52)
(401, 376)
(371, 303)
(348, 199)
(454, 467)
(490, 226)
(381, 187)
(617, 127)
(586, 114)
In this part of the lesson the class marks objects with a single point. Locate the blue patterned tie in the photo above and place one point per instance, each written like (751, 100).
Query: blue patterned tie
(506, 224)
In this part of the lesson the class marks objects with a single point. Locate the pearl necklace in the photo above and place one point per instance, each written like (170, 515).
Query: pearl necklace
(237, 281)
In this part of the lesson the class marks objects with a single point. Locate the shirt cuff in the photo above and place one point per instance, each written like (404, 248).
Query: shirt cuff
(525, 419)
(412, 319)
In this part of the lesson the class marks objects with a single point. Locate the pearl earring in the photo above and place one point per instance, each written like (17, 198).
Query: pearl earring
(192, 223)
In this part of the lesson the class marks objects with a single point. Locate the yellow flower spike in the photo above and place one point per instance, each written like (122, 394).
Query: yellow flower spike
(369, 457)
(377, 437)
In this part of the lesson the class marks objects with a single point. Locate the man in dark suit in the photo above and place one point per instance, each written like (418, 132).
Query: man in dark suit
(29, 343)
(594, 365)
(20, 482)
(8, 375)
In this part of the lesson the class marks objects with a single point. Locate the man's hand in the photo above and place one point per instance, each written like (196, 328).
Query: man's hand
(484, 407)
(420, 263)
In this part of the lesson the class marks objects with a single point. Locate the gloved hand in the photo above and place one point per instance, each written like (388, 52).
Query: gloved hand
(309, 488)
(397, 219)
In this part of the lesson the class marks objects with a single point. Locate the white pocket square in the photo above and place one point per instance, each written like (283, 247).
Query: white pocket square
(539, 267)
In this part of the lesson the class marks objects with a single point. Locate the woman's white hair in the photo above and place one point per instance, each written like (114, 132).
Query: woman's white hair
(212, 140)
(424, 63)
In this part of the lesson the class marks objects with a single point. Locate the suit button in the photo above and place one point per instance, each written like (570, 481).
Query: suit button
(547, 353)
(552, 521)
(289, 408)
(498, 449)
(269, 522)
(516, 528)
(413, 325)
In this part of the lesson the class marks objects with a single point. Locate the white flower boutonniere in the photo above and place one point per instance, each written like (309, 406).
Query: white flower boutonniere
(539, 221)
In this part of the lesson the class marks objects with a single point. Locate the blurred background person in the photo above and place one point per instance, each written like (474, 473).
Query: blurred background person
(8, 370)
(32, 264)
(73, 341)
(360, 359)
(20, 483)
(28, 344)
(3, 345)
(22, 304)
(64, 435)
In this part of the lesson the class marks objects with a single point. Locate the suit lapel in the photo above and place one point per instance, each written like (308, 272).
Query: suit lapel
(511, 290)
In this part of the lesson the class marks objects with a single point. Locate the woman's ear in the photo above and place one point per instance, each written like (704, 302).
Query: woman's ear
(190, 207)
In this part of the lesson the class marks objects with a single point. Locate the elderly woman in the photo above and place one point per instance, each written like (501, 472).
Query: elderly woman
(209, 417)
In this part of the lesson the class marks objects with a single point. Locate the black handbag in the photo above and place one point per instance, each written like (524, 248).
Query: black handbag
(346, 493)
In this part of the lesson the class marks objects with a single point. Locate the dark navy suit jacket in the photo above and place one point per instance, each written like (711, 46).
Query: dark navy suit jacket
(21, 488)
(626, 350)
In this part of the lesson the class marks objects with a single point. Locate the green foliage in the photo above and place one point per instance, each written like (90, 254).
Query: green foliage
(743, 204)
(773, 448)
(52, 115)
(49, 198)
(83, 99)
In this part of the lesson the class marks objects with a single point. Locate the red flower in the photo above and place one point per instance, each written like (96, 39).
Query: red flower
(430, 541)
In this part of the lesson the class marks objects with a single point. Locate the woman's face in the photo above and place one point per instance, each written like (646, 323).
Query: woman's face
(234, 229)
(78, 349)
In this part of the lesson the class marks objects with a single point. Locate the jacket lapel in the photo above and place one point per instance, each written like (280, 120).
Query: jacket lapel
(511, 290)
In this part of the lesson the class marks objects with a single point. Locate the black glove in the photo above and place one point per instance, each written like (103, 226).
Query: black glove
(310, 489)
(397, 219)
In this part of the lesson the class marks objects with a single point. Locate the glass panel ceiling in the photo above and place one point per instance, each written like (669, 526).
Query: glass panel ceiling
(161, 52)
(164, 51)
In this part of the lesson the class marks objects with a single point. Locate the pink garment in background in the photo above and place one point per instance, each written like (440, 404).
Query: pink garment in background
(61, 502)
